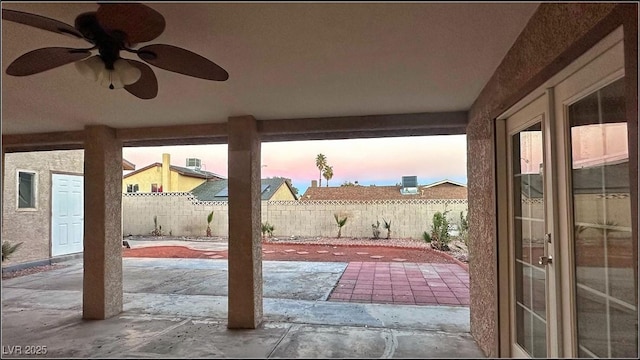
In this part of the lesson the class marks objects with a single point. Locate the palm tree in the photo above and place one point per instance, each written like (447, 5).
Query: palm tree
(340, 223)
(328, 173)
(387, 225)
(209, 218)
(8, 249)
(321, 162)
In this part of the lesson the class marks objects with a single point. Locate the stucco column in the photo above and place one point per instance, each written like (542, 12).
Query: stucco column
(102, 283)
(245, 247)
(2, 190)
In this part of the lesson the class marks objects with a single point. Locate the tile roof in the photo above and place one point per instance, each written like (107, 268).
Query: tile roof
(128, 165)
(207, 191)
(441, 191)
(202, 174)
(195, 173)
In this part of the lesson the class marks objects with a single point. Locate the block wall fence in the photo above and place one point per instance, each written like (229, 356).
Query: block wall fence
(181, 214)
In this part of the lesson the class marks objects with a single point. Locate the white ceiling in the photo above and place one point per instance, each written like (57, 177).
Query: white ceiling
(287, 60)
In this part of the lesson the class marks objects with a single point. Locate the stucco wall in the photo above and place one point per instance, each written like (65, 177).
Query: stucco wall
(556, 35)
(282, 194)
(144, 179)
(180, 183)
(182, 215)
(33, 228)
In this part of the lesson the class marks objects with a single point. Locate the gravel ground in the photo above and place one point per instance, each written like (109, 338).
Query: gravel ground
(458, 248)
(32, 270)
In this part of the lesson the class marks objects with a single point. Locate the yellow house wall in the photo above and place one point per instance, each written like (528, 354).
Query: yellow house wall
(181, 183)
(144, 179)
(283, 193)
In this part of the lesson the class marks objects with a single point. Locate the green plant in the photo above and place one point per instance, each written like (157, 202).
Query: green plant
(426, 237)
(440, 231)
(8, 249)
(376, 229)
(387, 226)
(267, 229)
(340, 222)
(157, 230)
(464, 228)
(209, 219)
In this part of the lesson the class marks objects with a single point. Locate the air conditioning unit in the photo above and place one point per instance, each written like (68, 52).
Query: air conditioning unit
(409, 185)
(194, 164)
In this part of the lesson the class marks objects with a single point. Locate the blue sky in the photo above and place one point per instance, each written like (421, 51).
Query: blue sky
(381, 161)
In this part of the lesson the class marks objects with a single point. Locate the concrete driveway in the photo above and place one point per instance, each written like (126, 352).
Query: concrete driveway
(178, 308)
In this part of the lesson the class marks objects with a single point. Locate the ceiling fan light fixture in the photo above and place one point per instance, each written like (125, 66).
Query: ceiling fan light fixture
(121, 75)
(128, 73)
(91, 67)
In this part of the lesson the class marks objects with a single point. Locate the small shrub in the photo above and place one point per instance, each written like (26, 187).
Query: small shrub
(440, 231)
(209, 219)
(387, 226)
(157, 231)
(464, 228)
(340, 223)
(376, 229)
(426, 237)
(8, 249)
(267, 229)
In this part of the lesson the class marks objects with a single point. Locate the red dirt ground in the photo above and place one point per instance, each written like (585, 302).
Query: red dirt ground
(349, 253)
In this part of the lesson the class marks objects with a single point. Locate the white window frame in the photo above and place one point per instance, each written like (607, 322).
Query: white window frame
(34, 190)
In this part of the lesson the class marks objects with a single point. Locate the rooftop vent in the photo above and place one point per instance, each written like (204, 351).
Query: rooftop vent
(409, 185)
(194, 164)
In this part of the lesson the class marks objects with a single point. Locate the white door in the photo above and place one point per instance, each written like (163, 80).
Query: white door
(533, 293)
(67, 212)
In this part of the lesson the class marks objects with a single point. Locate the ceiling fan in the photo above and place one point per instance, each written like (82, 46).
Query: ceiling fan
(113, 28)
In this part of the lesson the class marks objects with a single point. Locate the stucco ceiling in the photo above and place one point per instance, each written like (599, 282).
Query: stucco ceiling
(287, 60)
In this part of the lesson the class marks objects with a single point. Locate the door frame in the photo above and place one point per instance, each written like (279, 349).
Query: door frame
(566, 325)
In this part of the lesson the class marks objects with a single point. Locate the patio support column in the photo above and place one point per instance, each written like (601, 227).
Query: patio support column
(102, 283)
(245, 247)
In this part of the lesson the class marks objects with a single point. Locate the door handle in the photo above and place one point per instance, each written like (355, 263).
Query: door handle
(545, 260)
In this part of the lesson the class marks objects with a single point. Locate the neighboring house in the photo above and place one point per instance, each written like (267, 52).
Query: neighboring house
(163, 177)
(444, 189)
(43, 204)
(271, 190)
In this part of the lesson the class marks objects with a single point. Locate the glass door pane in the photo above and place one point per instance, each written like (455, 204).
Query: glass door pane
(528, 240)
(606, 288)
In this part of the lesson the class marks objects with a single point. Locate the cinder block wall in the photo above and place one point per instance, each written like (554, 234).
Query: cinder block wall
(182, 215)
(179, 214)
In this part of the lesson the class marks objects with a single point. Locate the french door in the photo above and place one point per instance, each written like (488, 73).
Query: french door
(532, 269)
(572, 255)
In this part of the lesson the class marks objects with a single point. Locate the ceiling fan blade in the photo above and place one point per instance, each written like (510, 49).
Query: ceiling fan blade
(147, 86)
(140, 22)
(40, 22)
(44, 59)
(182, 61)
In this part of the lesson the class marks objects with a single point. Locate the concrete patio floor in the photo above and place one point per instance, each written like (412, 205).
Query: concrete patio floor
(178, 308)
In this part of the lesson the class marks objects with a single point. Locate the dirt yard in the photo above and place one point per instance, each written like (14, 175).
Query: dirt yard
(322, 249)
(302, 249)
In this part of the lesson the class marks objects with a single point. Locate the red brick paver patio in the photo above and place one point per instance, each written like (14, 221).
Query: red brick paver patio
(403, 283)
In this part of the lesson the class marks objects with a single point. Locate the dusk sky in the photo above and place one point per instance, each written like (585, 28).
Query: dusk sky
(381, 161)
